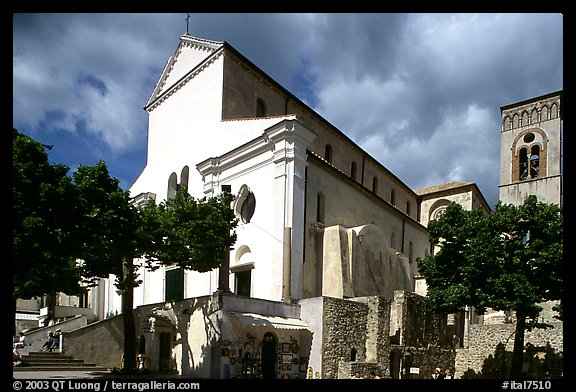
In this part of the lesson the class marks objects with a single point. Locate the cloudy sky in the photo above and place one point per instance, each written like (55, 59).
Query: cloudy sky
(420, 92)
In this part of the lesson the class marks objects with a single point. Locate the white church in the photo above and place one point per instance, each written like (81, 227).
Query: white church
(323, 278)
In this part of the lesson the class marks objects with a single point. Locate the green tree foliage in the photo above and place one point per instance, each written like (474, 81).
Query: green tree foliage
(44, 224)
(510, 259)
(196, 233)
(85, 227)
(110, 237)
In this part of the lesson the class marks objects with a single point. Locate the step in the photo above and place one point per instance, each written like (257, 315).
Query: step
(53, 361)
(58, 368)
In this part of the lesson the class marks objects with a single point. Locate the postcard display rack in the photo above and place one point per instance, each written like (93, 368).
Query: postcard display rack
(245, 358)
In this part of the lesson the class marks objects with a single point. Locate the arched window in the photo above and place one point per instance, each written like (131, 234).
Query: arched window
(529, 157)
(523, 164)
(534, 161)
(507, 123)
(184, 177)
(328, 153)
(554, 112)
(534, 116)
(375, 184)
(353, 170)
(172, 186)
(525, 118)
(320, 208)
(516, 121)
(544, 113)
(260, 108)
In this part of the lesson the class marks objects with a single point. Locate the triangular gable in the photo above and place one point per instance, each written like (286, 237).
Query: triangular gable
(191, 53)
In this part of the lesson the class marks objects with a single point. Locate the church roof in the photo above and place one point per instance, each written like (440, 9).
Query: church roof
(162, 90)
(442, 187)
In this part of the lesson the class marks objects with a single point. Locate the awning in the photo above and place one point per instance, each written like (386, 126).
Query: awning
(258, 320)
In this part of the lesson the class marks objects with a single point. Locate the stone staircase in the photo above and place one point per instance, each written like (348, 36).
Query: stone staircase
(34, 359)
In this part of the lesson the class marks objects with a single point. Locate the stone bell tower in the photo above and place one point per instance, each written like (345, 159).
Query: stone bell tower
(531, 150)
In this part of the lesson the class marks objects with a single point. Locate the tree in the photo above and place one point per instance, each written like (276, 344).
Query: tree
(110, 238)
(120, 237)
(44, 225)
(510, 259)
(196, 233)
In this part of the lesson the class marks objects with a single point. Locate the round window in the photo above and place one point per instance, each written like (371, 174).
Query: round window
(248, 207)
(529, 137)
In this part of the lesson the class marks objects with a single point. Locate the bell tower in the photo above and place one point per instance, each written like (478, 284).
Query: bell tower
(531, 150)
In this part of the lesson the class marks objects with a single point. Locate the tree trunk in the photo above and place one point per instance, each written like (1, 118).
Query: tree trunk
(129, 330)
(51, 305)
(518, 354)
(128, 318)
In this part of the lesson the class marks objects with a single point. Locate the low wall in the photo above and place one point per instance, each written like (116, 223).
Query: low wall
(41, 334)
(101, 343)
(484, 339)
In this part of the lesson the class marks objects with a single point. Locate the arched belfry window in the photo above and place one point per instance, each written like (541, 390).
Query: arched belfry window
(260, 108)
(534, 161)
(328, 153)
(523, 157)
(529, 158)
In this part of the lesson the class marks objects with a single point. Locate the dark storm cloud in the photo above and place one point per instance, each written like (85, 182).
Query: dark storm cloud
(420, 92)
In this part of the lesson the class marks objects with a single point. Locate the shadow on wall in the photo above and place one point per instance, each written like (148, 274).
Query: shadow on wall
(539, 363)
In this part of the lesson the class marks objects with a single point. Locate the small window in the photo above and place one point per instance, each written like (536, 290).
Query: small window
(375, 184)
(408, 207)
(320, 208)
(353, 170)
(174, 284)
(328, 153)
(393, 197)
(242, 280)
(260, 108)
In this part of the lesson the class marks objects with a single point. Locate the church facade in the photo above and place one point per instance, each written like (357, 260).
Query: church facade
(323, 278)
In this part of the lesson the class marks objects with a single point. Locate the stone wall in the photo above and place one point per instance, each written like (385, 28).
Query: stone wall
(485, 338)
(344, 331)
(101, 343)
(400, 338)
(426, 340)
